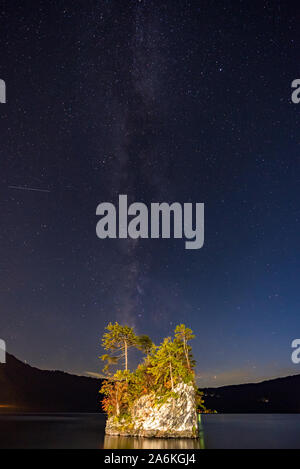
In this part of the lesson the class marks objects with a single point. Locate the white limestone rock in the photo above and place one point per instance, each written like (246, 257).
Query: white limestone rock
(177, 418)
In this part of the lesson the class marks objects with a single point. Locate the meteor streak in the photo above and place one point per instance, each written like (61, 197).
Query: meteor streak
(21, 188)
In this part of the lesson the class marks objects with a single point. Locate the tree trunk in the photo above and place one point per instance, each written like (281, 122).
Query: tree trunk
(171, 376)
(186, 354)
(172, 384)
(126, 355)
(117, 400)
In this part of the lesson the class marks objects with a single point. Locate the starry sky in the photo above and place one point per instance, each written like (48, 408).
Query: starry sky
(165, 101)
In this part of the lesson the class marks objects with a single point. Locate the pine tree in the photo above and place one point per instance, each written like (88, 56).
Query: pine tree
(184, 334)
(118, 339)
(166, 365)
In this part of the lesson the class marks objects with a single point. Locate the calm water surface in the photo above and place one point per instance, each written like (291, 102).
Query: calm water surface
(87, 431)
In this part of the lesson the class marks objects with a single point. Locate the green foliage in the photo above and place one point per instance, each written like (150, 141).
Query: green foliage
(168, 365)
(163, 368)
(145, 344)
(183, 335)
(119, 339)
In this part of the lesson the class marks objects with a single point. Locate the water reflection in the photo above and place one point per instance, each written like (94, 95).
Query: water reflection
(125, 442)
(278, 431)
(201, 432)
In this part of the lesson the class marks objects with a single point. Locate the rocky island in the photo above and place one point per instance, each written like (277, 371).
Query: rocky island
(158, 399)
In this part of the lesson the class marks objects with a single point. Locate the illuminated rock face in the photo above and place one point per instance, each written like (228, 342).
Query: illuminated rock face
(177, 418)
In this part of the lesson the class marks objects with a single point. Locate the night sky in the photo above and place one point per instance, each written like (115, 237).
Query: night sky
(186, 101)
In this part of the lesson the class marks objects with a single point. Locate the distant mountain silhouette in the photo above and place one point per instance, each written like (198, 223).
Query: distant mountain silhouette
(281, 395)
(26, 388)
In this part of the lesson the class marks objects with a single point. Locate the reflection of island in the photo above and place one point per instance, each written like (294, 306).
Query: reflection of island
(124, 442)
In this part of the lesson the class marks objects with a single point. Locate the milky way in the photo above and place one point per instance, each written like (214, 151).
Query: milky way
(163, 101)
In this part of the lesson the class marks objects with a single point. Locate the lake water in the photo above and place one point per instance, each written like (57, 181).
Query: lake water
(87, 431)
